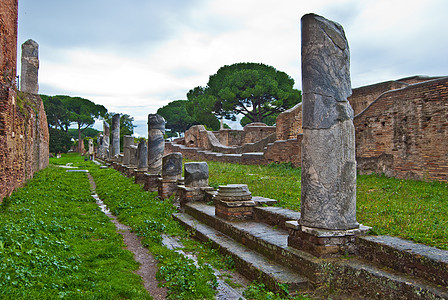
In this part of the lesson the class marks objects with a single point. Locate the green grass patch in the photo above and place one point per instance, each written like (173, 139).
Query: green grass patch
(56, 243)
(150, 218)
(409, 209)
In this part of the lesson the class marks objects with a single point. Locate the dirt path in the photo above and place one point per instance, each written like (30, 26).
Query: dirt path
(148, 265)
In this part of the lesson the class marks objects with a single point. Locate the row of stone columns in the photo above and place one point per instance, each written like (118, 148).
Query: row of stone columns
(328, 223)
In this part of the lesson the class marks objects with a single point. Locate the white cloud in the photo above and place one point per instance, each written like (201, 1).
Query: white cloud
(154, 60)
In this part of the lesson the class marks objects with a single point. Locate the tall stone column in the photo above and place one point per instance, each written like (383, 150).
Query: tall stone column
(30, 67)
(142, 156)
(142, 163)
(156, 143)
(106, 139)
(328, 195)
(115, 143)
(128, 140)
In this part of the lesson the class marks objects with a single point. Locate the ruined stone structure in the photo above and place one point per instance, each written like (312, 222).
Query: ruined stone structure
(115, 138)
(23, 124)
(156, 143)
(385, 143)
(30, 67)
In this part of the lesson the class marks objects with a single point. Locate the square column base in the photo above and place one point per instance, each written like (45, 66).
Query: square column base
(191, 194)
(151, 182)
(139, 176)
(167, 187)
(324, 242)
(234, 210)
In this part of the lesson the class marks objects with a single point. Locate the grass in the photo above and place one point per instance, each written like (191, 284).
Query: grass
(150, 218)
(56, 243)
(409, 209)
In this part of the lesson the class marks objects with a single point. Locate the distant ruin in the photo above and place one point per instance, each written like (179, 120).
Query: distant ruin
(24, 137)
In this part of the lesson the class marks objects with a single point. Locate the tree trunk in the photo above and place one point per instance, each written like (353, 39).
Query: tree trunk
(79, 140)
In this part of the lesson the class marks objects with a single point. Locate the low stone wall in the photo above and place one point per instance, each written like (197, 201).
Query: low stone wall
(289, 151)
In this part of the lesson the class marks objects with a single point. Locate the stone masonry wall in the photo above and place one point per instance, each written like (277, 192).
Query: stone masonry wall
(404, 133)
(23, 123)
(289, 123)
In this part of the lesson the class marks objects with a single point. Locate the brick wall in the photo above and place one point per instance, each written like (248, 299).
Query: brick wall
(23, 123)
(289, 123)
(404, 133)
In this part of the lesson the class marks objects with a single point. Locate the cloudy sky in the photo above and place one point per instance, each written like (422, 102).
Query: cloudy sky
(135, 56)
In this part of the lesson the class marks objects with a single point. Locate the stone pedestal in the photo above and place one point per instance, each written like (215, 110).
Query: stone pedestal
(151, 182)
(192, 194)
(171, 172)
(323, 242)
(139, 176)
(234, 202)
(196, 183)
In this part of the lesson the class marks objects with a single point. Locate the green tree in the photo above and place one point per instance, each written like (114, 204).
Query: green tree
(83, 112)
(56, 111)
(201, 107)
(60, 141)
(126, 125)
(177, 118)
(257, 91)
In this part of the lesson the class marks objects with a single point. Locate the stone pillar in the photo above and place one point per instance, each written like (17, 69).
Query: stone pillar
(171, 172)
(30, 67)
(128, 140)
(196, 183)
(156, 147)
(142, 163)
(156, 143)
(328, 195)
(91, 150)
(142, 156)
(115, 142)
(106, 139)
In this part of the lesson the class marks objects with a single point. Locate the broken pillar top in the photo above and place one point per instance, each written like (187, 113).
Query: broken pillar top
(196, 174)
(234, 192)
(172, 165)
(325, 73)
(156, 121)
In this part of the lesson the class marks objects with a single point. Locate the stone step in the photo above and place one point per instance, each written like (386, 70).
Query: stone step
(351, 274)
(407, 257)
(247, 262)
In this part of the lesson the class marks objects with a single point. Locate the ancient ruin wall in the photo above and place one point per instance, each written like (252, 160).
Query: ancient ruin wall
(23, 123)
(289, 123)
(404, 133)
(362, 97)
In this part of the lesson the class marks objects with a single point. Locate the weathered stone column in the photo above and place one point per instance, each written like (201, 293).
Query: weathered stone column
(156, 147)
(142, 163)
(106, 139)
(115, 143)
(156, 143)
(171, 172)
(142, 156)
(30, 67)
(128, 140)
(328, 195)
(91, 150)
(196, 183)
